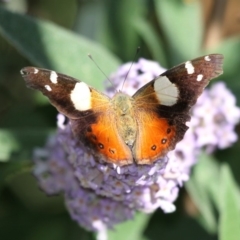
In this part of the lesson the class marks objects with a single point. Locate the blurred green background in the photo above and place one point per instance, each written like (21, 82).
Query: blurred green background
(58, 35)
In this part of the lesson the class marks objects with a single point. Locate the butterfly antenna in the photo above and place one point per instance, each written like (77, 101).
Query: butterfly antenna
(137, 51)
(90, 56)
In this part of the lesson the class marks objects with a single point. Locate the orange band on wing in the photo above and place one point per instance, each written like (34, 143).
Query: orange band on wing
(104, 137)
(155, 138)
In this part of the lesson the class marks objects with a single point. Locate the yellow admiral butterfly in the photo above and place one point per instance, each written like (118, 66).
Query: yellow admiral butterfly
(125, 129)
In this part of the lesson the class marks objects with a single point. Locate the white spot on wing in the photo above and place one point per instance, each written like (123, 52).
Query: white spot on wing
(35, 71)
(167, 92)
(207, 58)
(48, 88)
(189, 67)
(53, 77)
(199, 77)
(81, 96)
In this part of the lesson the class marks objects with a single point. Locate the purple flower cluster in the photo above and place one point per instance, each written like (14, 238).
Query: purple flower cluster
(214, 118)
(99, 195)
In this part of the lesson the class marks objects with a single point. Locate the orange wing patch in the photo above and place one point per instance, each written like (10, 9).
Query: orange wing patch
(97, 129)
(103, 136)
(155, 138)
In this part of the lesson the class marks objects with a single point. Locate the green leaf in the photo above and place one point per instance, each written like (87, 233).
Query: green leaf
(130, 230)
(21, 142)
(153, 41)
(203, 187)
(17, 6)
(119, 31)
(17, 145)
(181, 23)
(8, 144)
(50, 46)
(229, 227)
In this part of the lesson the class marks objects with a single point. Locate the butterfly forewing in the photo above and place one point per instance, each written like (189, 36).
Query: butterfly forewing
(192, 77)
(55, 86)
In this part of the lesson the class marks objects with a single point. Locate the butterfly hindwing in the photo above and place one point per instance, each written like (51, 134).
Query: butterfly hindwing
(154, 139)
(102, 136)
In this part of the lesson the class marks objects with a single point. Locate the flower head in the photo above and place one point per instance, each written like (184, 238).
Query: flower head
(216, 116)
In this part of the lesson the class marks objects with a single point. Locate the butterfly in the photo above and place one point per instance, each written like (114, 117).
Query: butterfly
(126, 129)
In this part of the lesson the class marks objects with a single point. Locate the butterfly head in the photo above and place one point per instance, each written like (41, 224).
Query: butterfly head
(122, 103)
